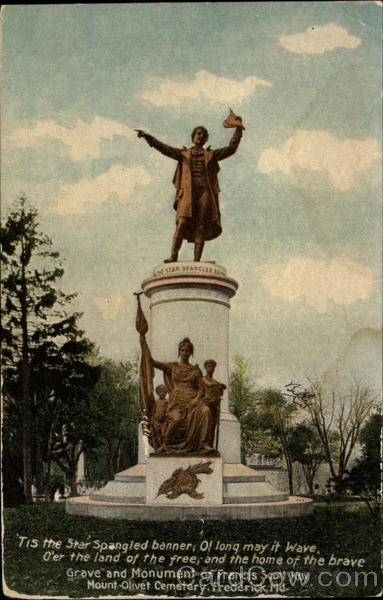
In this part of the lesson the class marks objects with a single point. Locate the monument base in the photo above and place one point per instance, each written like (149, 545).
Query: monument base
(244, 493)
(85, 506)
(162, 488)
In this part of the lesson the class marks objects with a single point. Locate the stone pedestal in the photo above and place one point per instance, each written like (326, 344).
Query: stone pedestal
(276, 476)
(184, 480)
(192, 299)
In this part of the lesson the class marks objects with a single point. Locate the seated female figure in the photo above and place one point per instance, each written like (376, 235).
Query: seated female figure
(188, 417)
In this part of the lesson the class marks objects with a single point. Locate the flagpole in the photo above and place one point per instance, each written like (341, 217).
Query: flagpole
(146, 397)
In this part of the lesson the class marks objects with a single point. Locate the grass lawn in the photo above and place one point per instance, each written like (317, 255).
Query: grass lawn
(30, 568)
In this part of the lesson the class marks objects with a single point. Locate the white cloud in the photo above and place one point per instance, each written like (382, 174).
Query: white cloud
(83, 140)
(314, 282)
(172, 92)
(320, 151)
(109, 306)
(121, 181)
(317, 39)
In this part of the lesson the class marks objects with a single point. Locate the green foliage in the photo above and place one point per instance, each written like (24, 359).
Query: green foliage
(365, 476)
(115, 396)
(46, 374)
(337, 415)
(12, 456)
(69, 421)
(276, 417)
(33, 307)
(243, 404)
(302, 440)
(272, 421)
(242, 395)
(266, 417)
(370, 437)
(306, 448)
(277, 412)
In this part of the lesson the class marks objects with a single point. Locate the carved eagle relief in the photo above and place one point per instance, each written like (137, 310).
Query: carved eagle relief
(184, 481)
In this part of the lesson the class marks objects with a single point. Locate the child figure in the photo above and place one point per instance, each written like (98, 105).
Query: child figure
(212, 397)
(159, 417)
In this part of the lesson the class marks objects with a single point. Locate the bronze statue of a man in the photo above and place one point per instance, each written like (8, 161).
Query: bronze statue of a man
(198, 217)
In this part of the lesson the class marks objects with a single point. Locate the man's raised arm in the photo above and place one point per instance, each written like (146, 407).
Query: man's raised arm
(160, 146)
(221, 153)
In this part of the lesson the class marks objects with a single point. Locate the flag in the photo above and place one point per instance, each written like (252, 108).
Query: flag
(146, 395)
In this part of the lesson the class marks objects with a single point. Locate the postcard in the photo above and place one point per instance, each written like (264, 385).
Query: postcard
(191, 234)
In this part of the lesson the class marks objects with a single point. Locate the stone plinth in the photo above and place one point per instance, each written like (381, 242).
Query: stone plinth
(242, 485)
(192, 299)
(205, 488)
(127, 486)
(293, 507)
(276, 476)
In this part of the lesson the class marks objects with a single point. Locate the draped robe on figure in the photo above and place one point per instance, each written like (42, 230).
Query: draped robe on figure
(188, 425)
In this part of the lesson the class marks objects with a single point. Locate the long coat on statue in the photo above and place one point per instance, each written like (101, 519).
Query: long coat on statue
(182, 180)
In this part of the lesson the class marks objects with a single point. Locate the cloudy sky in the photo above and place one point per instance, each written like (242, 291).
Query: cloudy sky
(300, 200)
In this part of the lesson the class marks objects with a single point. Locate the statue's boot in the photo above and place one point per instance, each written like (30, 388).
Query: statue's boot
(177, 241)
(198, 247)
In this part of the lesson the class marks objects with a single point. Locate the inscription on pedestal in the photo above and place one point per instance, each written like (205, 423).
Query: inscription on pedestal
(195, 268)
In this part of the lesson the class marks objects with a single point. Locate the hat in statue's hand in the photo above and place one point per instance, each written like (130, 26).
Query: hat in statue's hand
(233, 120)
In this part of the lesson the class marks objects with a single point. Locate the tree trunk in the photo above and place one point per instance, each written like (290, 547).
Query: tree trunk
(110, 461)
(310, 483)
(39, 477)
(291, 483)
(118, 458)
(47, 487)
(26, 398)
(72, 480)
(39, 471)
(289, 466)
(309, 477)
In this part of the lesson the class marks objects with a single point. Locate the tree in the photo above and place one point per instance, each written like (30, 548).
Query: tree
(306, 449)
(33, 316)
(67, 421)
(276, 414)
(265, 417)
(12, 452)
(365, 476)
(336, 413)
(243, 404)
(115, 395)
